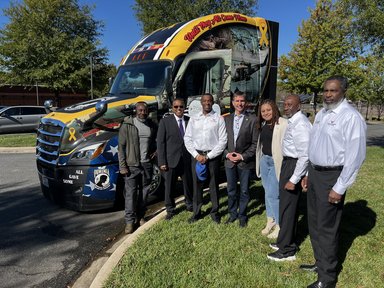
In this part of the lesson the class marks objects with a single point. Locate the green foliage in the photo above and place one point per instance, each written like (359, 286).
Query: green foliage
(155, 14)
(368, 20)
(324, 48)
(50, 42)
(177, 254)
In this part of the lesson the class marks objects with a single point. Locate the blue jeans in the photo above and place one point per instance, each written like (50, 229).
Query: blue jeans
(237, 201)
(271, 187)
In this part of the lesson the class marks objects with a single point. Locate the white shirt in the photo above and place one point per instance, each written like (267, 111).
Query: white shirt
(177, 120)
(338, 138)
(295, 144)
(237, 121)
(206, 133)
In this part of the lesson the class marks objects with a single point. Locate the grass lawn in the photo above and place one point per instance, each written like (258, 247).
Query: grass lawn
(18, 140)
(178, 254)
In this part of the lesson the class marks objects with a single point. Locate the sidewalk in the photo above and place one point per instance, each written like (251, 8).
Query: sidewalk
(5, 150)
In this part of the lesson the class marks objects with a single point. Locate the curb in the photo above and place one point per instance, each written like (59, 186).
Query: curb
(114, 259)
(5, 150)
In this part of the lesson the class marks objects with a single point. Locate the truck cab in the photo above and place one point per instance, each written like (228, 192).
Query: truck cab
(220, 53)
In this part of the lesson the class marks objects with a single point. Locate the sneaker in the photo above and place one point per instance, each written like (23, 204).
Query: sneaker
(142, 221)
(278, 256)
(274, 246)
(268, 227)
(275, 233)
(128, 228)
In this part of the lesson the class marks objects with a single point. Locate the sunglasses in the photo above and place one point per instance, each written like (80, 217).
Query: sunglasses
(176, 107)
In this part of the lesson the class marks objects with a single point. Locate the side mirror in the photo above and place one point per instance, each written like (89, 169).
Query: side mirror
(48, 104)
(101, 107)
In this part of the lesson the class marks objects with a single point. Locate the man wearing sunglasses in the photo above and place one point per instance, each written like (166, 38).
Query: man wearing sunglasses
(173, 158)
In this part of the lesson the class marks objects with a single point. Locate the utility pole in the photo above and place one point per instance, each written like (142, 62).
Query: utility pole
(37, 94)
(91, 61)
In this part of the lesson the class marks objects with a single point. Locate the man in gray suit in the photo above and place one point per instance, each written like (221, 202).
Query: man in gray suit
(239, 157)
(173, 158)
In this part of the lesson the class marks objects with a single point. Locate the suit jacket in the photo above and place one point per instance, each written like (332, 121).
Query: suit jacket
(246, 141)
(276, 146)
(170, 144)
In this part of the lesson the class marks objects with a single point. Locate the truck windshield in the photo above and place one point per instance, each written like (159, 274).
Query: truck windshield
(141, 79)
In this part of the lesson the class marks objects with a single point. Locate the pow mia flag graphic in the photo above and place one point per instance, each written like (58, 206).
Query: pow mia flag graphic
(102, 179)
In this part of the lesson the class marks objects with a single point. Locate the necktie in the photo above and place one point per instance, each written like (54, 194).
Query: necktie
(181, 128)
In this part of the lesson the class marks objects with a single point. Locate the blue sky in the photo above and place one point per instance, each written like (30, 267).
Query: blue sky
(122, 30)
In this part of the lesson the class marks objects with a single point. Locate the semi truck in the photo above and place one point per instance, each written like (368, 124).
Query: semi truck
(77, 147)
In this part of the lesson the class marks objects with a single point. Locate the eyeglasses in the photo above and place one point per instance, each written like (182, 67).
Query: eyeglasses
(176, 107)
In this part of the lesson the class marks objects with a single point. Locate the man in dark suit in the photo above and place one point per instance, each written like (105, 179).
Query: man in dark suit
(173, 158)
(239, 157)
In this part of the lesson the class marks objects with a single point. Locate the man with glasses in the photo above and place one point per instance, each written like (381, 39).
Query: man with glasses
(173, 158)
(239, 157)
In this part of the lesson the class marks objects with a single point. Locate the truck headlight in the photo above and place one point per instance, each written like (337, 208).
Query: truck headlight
(89, 152)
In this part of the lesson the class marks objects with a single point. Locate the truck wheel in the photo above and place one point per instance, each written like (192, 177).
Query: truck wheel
(156, 191)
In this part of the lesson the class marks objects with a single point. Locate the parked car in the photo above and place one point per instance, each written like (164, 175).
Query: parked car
(16, 119)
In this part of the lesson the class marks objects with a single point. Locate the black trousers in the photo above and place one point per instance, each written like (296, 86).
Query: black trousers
(182, 169)
(288, 207)
(324, 222)
(213, 167)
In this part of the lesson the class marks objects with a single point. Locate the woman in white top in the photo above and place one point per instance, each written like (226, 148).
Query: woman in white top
(268, 161)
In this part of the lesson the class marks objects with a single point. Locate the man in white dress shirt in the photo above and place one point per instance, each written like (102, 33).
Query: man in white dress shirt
(205, 139)
(337, 150)
(293, 169)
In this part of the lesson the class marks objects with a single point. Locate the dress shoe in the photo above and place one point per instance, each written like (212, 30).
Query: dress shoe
(169, 216)
(230, 220)
(308, 267)
(142, 221)
(319, 284)
(216, 219)
(243, 223)
(189, 209)
(128, 228)
(193, 219)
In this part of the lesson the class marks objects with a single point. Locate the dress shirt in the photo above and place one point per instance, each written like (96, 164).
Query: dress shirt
(338, 138)
(295, 144)
(177, 120)
(206, 133)
(237, 121)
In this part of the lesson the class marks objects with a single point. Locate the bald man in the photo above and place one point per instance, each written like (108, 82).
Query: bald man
(293, 169)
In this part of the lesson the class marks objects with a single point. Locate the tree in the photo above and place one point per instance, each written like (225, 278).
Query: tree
(155, 14)
(50, 42)
(324, 47)
(368, 20)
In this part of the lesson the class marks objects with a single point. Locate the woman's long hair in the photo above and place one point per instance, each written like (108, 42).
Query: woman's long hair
(275, 113)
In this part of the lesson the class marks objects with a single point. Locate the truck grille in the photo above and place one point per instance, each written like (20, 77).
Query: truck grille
(48, 140)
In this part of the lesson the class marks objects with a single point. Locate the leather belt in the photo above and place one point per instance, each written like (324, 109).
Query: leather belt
(201, 152)
(327, 168)
(288, 158)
